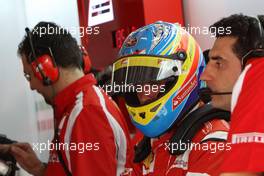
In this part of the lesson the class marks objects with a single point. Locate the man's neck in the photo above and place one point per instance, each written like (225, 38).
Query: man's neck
(67, 77)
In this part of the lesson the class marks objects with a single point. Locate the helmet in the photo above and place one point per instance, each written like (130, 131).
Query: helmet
(159, 52)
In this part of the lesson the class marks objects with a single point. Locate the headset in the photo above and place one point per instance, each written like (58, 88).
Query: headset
(45, 67)
(255, 37)
(256, 41)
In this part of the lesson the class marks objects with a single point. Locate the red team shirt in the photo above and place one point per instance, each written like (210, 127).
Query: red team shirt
(90, 121)
(195, 162)
(247, 121)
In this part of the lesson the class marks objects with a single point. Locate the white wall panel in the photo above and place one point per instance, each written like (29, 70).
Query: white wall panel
(203, 13)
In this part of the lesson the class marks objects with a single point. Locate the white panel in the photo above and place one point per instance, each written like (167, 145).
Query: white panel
(64, 13)
(23, 117)
(203, 13)
(17, 110)
(100, 11)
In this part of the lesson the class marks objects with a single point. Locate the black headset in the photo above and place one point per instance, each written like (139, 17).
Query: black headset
(255, 39)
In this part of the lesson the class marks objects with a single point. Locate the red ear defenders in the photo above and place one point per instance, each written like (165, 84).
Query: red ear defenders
(44, 66)
(86, 62)
(45, 70)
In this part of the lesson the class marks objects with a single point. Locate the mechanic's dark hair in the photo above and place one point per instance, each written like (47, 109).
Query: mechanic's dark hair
(238, 25)
(64, 47)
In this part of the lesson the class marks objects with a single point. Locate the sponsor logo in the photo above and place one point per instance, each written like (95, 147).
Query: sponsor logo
(148, 164)
(183, 93)
(253, 137)
(131, 42)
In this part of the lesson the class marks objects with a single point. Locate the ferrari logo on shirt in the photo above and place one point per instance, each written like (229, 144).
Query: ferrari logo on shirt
(148, 164)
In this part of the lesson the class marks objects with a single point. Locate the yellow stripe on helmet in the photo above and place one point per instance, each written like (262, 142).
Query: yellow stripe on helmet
(173, 45)
(144, 61)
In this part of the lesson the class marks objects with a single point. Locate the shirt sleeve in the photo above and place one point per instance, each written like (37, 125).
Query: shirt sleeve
(246, 136)
(96, 150)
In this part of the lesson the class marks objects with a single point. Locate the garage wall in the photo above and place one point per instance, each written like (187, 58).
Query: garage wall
(203, 13)
(23, 113)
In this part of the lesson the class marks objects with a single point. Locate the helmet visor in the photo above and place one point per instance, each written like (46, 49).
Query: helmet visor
(140, 69)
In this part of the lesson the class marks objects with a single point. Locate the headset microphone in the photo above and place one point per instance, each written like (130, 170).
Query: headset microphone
(205, 94)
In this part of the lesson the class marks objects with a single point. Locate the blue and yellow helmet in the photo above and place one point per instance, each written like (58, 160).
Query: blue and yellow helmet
(159, 52)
